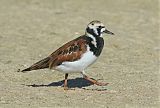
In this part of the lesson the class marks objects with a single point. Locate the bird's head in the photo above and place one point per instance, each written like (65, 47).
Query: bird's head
(96, 28)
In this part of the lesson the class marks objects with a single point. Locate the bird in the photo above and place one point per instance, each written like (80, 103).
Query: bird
(76, 55)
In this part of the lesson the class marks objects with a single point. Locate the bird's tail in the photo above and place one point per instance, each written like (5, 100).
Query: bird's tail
(44, 63)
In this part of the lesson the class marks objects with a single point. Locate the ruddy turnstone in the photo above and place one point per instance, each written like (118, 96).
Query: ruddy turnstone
(78, 54)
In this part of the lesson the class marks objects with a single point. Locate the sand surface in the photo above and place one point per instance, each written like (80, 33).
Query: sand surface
(32, 29)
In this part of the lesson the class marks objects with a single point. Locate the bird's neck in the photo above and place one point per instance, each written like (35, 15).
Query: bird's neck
(94, 38)
(95, 42)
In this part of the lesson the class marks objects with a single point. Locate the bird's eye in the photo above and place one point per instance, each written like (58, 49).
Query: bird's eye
(92, 24)
(99, 26)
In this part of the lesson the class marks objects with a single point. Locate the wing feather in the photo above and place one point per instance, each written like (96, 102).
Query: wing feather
(71, 51)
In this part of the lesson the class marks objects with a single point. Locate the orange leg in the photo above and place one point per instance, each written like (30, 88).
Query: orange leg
(94, 81)
(65, 82)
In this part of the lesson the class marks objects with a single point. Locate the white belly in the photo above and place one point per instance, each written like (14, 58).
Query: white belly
(78, 66)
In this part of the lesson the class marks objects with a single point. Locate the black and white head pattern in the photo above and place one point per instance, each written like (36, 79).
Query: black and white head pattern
(95, 28)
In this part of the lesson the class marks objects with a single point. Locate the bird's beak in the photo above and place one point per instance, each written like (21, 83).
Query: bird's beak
(108, 32)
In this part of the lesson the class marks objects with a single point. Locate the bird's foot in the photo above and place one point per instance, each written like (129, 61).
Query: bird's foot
(100, 83)
(66, 88)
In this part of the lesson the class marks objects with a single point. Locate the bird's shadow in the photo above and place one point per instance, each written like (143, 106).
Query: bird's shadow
(72, 83)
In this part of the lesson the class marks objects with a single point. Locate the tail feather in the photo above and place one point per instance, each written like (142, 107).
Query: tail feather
(44, 63)
(27, 69)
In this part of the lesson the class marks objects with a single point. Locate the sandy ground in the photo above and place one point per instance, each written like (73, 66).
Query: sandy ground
(32, 29)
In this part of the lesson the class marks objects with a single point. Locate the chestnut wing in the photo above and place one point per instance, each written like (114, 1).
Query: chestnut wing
(71, 51)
